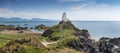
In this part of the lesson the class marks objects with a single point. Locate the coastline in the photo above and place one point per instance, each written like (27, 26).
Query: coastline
(97, 29)
(18, 32)
(72, 37)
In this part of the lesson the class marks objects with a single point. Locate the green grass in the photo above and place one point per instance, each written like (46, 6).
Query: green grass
(11, 36)
(3, 42)
(5, 38)
(30, 49)
(59, 36)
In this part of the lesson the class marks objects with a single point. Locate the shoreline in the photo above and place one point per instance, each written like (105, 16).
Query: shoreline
(29, 32)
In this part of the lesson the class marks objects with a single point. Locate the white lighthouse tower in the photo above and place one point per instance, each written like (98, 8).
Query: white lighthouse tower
(64, 17)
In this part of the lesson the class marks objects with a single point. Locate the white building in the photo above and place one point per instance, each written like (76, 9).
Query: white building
(64, 17)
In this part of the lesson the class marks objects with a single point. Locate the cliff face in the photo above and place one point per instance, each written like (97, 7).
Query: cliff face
(108, 45)
(79, 44)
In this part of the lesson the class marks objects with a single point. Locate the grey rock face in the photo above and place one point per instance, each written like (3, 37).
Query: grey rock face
(47, 33)
(110, 46)
(82, 44)
(84, 33)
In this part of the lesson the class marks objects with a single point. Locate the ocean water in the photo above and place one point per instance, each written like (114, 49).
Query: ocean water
(97, 29)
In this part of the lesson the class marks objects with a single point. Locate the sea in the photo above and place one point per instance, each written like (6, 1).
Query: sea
(97, 29)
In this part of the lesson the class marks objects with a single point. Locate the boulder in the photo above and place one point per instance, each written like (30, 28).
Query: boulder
(84, 33)
(47, 33)
(80, 44)
(6, 27)
(41, 27)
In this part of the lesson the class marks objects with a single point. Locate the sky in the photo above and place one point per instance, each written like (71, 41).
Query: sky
(84, 10)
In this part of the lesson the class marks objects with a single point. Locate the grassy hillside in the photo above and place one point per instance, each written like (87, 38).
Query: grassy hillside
(30, 49)
(5, 38)
(9, 41)
(21, 43)
(63, 30)
(66, 37)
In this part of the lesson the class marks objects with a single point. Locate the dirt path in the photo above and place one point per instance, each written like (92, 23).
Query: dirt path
(45, 43)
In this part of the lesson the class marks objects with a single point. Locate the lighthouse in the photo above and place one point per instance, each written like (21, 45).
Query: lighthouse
(64, 17)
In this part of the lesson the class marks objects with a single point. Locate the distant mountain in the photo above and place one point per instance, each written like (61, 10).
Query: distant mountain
(12, 19)
(38, 19)
(21, 19)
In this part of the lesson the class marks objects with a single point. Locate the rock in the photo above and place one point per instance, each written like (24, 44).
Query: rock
(47, 33)
(6, 27)
(84, 33)
(110, 45)
(104, 39)
(41, 27)
(21, 28)
(81, 44)
(31, 27)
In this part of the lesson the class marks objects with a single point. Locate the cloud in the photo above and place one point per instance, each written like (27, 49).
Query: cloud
(101, 12)
(88, 6)
(90, 11)
(7, 13)
(63, 1)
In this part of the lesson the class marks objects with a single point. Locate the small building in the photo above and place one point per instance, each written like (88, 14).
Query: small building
(64, 17)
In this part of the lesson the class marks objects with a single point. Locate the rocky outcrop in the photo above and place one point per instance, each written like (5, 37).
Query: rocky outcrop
(84, 33)
(6, 27)
(82, 44)
(108, 45)
(47, 33)
(11, 27)
(41, 27)
(60, 27)
(21, 28)
(72, 37)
